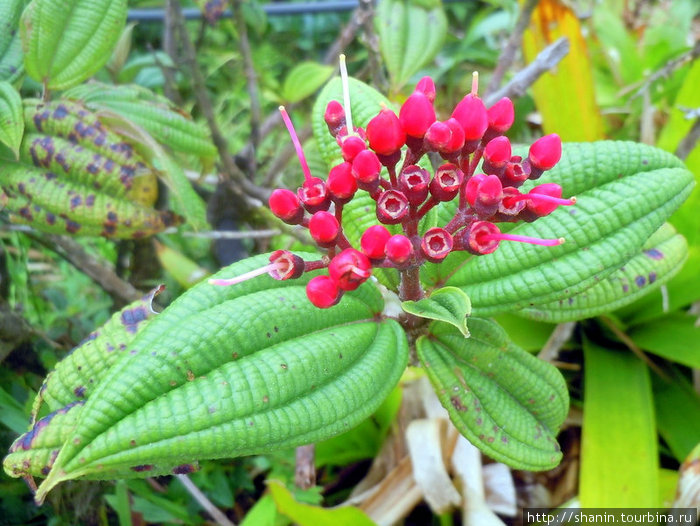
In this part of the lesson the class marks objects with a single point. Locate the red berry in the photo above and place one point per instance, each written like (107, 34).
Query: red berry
(350, 269)
(392, 207)
(334, 117)
(470, 112)
(545, 152)
(399, 249)
(323, 292)
(373, 241)
(350, 146)
(416, 115)
(413, 182)
(324, 228)
(285, 205)
(445, 184)
(426, 86)
(289, 266)
(436, 244)
(341, 182)
(385, 134)
(314, 195)
(366, 169)
(496, 154)
(501, 116)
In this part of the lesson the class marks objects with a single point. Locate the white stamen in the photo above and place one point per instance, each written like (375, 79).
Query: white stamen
(244, 277)
(346, 95)
(475, 82)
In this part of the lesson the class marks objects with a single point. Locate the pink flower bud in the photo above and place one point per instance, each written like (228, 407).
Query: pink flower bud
(496, 154)
(416, 115)
(471, 114)
(341, 183)
(426, 86)
(373, 241)
(385, 134)
(500, 116)
(399, 249)
(323, 292)
(438, 136)
(392, 207)
(350, 146)
(286, 205)
(350, 269)
(445, 184)
(436, 244)
(545, 152)
(484, 194)
(324, 228)
(314, 195)
(543, 199)
(366, 169)
(456, 141)
(413, 182)
(334, 117)
(286, 265)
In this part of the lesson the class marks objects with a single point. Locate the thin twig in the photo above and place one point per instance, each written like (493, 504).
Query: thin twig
(374, 57)
(170, 49)
(560, 335)
(507, 56)
(689, 141)
(229, 234)
(204, 502)
(665, 71)
(547, 59)
(347, 34)
(305, 468)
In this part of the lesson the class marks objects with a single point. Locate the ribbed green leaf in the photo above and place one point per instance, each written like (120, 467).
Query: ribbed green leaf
(625, 192)
(410, 35)
(660, 259)
(11, 117)
(448, 304)
(11, 59)
(504, 400)
(304, 79)
(366, 103)
(229, 371)
(66, 41)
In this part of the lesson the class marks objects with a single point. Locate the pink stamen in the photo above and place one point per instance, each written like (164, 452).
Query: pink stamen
(543, 198)
(245, 277)
(295, 141)
(524, 239)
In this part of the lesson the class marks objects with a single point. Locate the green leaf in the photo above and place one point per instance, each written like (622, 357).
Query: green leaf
(448, 304)
(677, 406)
(619, 464)
(230, 371)
(11, 59)
(11, 117)
(66, 41)
(410, 36)
(674, 337)
(304, 79)
(625, 193)
(504, 400)
(307, 515)
(661, 257)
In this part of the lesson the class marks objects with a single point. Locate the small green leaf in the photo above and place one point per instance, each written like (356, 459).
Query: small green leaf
(304, 79)
(11, 117)
(66, 41)
(11, 59)
(307, 515)
(619, 458)
(448, 304)
(504, 400)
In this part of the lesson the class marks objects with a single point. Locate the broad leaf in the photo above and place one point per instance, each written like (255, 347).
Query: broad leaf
(230, 371)
(504, 400)
(448, 304)
(11, 117)
(659, 260)
(625, 193)
(675, 337)
(11, 59)
(619, 459)
(410, 34)
(66, 41)
(304, 79)
(677, 406)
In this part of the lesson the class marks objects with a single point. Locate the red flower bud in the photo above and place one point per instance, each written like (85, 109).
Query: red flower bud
(323, 292)
(373, 241)
(416, 115)
(285, 205)
(385, 134)
(543, 199)
(426, 86)
(399, 249)
(438, 136)
(456, 139)
(436, 244)
(484, 194)
(366, 169)
(413, 182)
(500, 116)
(350, 146)
(324, 228)
(392, 207)
(288, 265)
(334, 117)
(496, 154)
(545, 152)
(314, 195)
(341, 182)
(350, 269)
(471, 114)
(445, 184)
